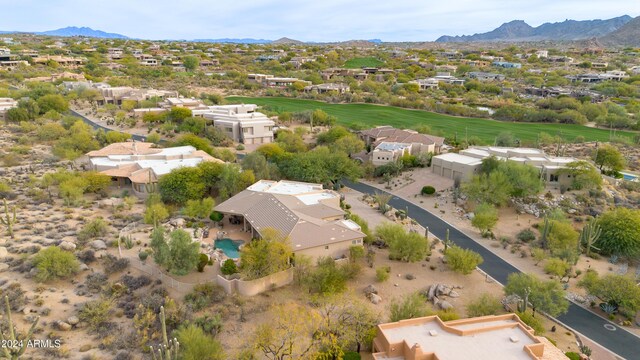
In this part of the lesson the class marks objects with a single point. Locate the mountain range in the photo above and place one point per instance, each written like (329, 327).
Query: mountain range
(518, 30)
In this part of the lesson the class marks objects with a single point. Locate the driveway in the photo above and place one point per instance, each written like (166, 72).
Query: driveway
(609, 335)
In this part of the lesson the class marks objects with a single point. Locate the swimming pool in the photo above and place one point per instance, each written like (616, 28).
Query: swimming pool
(231, 248)
(629, 177)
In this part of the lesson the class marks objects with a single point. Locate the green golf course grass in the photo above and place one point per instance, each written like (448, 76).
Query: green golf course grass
(375, 115)
(357, 63)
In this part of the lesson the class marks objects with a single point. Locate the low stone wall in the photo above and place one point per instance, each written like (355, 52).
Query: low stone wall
(257, 286)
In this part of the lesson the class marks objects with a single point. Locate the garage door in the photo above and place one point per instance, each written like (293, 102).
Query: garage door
(447, 173)
(437, 170)
(457, 174)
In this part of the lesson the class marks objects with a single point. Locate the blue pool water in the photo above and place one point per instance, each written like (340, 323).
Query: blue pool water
(229, 247)
(629, 177)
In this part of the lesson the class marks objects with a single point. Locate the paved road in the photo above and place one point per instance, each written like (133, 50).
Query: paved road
(618, 341)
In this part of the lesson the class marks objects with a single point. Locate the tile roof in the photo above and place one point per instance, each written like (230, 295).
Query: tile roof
(297, 210)
(391, 134)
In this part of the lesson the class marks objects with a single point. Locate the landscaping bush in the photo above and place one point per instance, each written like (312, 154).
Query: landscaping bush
(382, 274)
(229, 267)
(526, 235)
(87, 256)
(95, 281)
(143, 255)
(114, 264)
(210, 324)
(54, 263)
(351, 355)
(203, 259)
(484, 305)
(428, 190)
(572, 355)
(135, 283)
(204, 295)
(533, 322)
(96, 313)
(93, 229)
(216, 216)
(16, 297)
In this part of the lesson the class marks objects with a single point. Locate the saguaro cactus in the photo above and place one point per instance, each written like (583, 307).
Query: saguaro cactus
(14, 346)
(544, 233)
(447, 243)
(168, 350)
(9, 219)
(588, 236)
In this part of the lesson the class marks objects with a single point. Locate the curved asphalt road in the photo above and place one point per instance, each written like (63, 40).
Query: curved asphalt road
(619, 341)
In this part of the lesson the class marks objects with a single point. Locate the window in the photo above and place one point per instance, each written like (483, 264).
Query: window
(228, 129)
(553, 178)
(326, 247)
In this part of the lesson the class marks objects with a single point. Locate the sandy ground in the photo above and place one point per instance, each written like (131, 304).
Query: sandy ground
(509, 225)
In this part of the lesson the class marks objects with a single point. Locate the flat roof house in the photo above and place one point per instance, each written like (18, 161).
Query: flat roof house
(481, 338)
(309, 216)
(242, 123)
(467, 162)
(141, 164)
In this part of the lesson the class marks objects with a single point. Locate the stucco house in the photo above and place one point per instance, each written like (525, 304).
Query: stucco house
(466, 163)
(141, 164)
(388, 143)
(242, 123)
(309, 216)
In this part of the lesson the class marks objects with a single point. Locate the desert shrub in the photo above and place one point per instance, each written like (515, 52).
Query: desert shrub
(16, 297)
(204, 295)
(351, 355)
(533, 322)
(113, 264)
(135, 283)
(87, 256)
(526, 235)
(382, 274)
(210, 324)
(484, 305)
(54, 263)
(96, 313)
(95, 281)
(461, 260)
(203, 259)
(93, 229)
(427, 190)
(196, 345)
(229, 267)
(573, 355)
(448, 315)
(410, 306)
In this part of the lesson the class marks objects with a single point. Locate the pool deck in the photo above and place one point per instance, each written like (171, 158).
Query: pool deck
(233, 232)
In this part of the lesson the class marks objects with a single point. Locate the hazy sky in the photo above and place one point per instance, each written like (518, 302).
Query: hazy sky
(307, 20)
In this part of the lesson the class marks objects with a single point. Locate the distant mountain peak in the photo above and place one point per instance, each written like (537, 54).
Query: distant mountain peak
(518, 30)
(82, 31)
(627, 35)
(286, 40)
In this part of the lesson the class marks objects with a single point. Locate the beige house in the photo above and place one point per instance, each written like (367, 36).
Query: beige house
(242, 123)
(467, 162)
(387, 152)
(482, 338)
(388, 143)
(309, 216)
(141, 164)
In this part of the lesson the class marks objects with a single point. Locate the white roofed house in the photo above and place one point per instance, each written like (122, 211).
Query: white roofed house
(465, 164)
(5, 105)
(141, 164)
(309, 216)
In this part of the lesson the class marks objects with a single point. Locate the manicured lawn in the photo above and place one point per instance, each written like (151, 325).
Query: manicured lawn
(374, 115)
(357, 63)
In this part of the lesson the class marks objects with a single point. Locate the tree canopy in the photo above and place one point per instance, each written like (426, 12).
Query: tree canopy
(620, 232)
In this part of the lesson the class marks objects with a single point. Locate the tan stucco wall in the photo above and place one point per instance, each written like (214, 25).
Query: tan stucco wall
(257, 286)
(335, 250)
